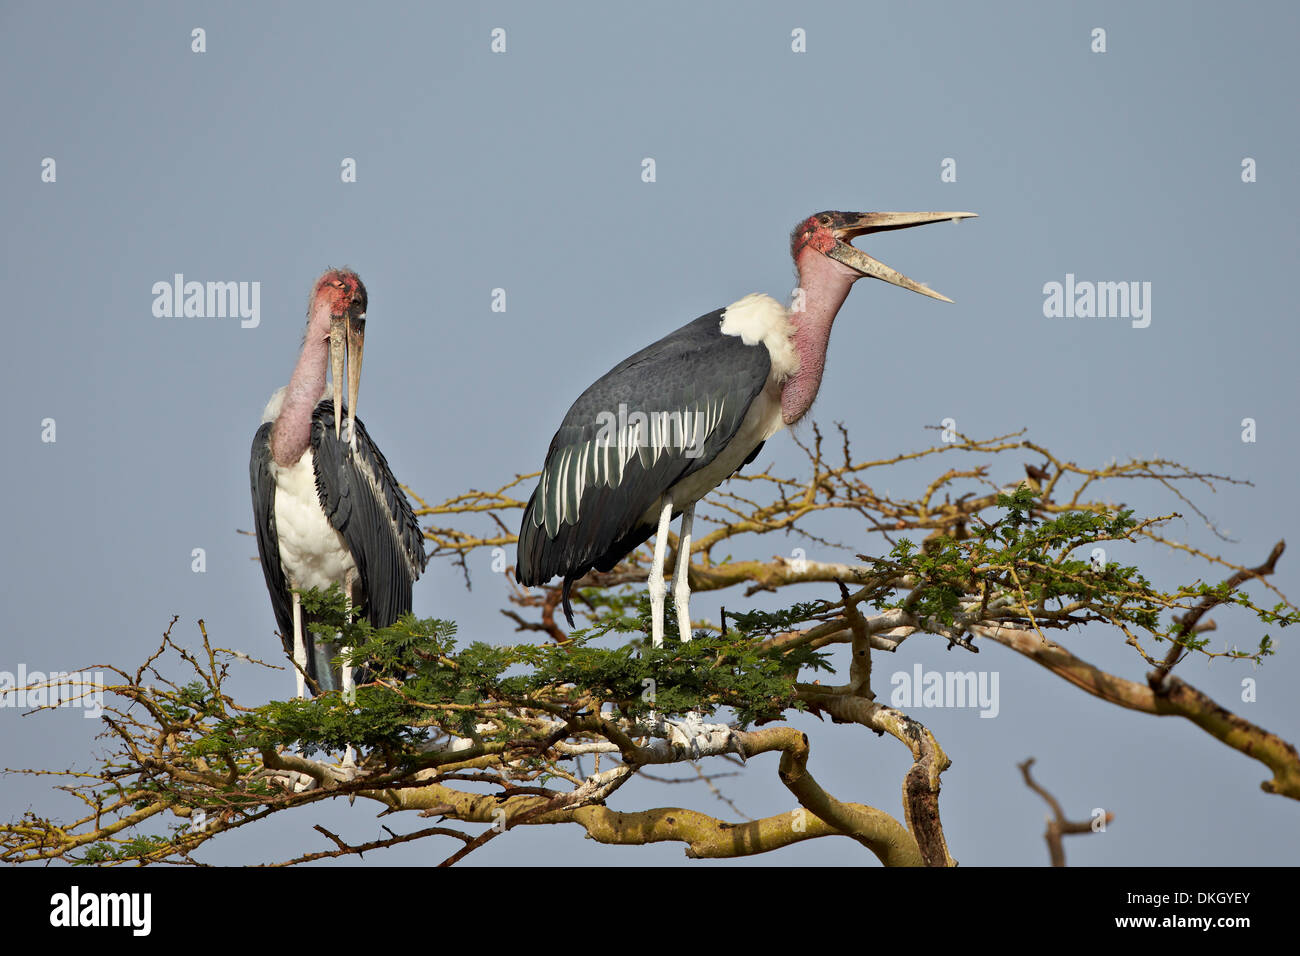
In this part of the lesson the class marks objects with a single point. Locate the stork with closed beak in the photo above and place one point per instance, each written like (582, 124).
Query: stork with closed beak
(327, 508)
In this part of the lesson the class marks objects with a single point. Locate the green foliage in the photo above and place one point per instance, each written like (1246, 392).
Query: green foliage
(1027, 567)
(699, 675)
(138, 848)
(430, 687)
(764, 624)
(1032, 561)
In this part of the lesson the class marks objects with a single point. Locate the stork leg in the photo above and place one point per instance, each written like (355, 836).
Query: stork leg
(656, 583)
(681, 584)
(349, 684)
(299, 646)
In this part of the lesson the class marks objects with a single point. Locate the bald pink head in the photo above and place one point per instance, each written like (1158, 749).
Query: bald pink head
(341, 291)
(814, 233)
(338, 294)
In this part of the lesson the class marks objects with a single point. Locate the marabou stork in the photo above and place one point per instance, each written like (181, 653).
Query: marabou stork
(327, 508)
(664, 427)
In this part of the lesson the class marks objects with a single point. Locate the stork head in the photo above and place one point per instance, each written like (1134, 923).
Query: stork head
(343, 290)
(829, 234)
(345, 295)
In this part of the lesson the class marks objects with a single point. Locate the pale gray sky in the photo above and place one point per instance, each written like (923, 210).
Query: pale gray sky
(522, 170)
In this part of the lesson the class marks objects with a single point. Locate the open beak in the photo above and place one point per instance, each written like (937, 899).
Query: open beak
(849, 225)
(347, 342)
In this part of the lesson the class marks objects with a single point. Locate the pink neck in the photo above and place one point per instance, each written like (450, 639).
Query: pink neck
(825, 284)
(291, 433)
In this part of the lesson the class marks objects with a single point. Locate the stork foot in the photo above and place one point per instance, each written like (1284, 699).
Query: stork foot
(691, 737)
(291, 780)
(695, 737)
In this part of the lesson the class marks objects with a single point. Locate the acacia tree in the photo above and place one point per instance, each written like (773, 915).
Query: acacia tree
(1008, 551)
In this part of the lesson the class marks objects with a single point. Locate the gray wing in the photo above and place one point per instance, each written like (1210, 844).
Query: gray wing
(364, 503)
(605, 468)
(268, 541)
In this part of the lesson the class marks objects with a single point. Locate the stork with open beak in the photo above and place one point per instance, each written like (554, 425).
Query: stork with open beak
(667, 425)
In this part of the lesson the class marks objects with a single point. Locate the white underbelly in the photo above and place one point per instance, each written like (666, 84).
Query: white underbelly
(312, 553)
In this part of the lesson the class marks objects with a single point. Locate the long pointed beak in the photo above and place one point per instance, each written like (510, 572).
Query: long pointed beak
(338, 355)
(852, 224)
(356, 344)
(347, 344)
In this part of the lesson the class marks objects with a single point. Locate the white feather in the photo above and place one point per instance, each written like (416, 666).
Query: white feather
(760, 318)
(312, 553)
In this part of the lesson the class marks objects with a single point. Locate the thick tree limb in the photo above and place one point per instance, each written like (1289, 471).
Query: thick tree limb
(1177, 699)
